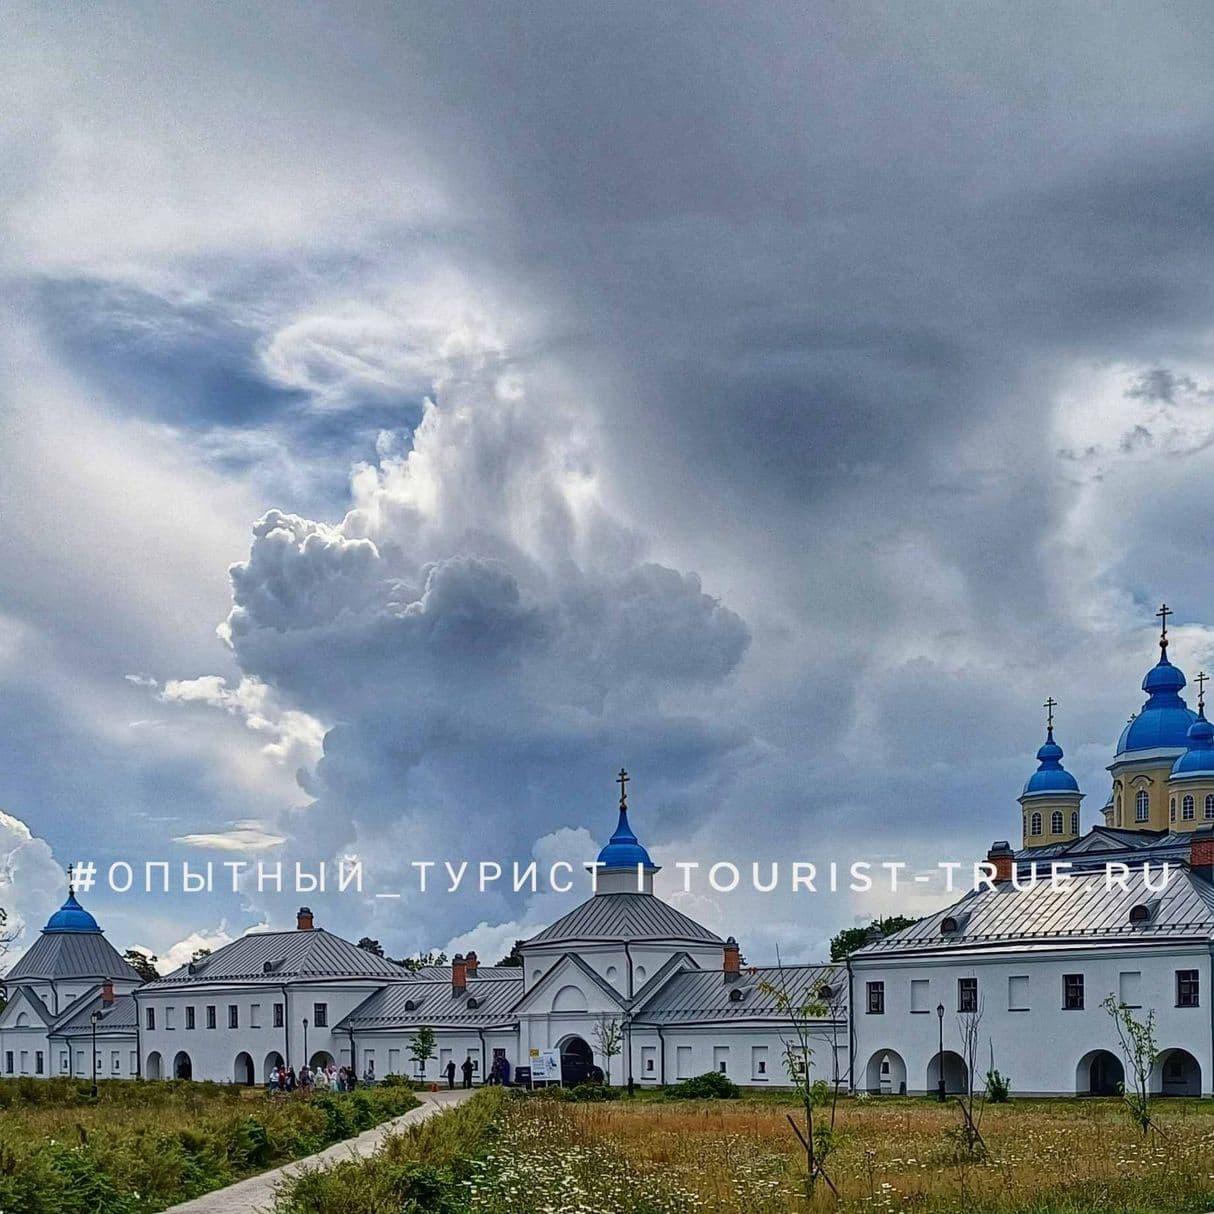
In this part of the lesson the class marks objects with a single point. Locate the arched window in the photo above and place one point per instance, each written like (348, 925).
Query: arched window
(1172, 810)
(1210, 805)
(1056, 822)
(1035, 824)
(1142, 806)
(1074, 821)
(1186, 809)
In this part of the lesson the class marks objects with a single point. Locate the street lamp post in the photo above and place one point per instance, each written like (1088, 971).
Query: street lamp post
(305, 1057)
(940, 1056)
(94, 1018)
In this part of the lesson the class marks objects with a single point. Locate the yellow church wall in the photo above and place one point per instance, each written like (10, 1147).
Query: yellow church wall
(1128, 782)
(1046, 807)
(1199, 790)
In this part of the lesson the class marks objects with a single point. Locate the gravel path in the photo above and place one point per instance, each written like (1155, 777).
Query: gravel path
(256, 1195)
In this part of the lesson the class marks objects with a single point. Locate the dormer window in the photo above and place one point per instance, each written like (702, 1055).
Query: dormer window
(473, 1003)
(737, 994)
(826, 991)
(1141, 913)
(949, 925)
(410, 1005)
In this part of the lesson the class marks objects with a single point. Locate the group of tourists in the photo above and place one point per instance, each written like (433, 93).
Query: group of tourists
(327, 1078)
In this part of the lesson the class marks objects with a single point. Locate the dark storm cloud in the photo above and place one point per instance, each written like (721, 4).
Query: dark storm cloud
(753, 336)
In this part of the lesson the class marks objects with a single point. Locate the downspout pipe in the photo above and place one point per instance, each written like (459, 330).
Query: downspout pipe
(851, 1031)
(628, 1020)
(484, 1073)
(286, 1025)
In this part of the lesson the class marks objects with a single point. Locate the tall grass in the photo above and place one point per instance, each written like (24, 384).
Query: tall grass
(143, 1146)
(422, 1168)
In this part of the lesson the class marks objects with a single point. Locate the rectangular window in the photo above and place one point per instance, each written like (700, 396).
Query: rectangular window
(63, 1062)
(876, 998)
(649, 1062)
(134, 1063)
(394, 1062)
(25, 1062)
(682, 1061)
(150, 1015)
(233, 1016)
(1072, 992)
(758, 1062)
(967, 994)
(115, 1061)
(1129, 988)
(278, 1015)
(8, 1061)
(1186, 988)
(190, 1017)
(80, 1062)
(39, 1063)
(921, 995)
(255, 1015)
(210, 1015)
(320, 1015)
(1018, 993)
(170, 1015)
(720, 1059)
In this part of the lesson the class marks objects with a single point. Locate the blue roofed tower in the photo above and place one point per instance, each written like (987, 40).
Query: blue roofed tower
(1051, 797)
(1191, 786)
(1149, 746)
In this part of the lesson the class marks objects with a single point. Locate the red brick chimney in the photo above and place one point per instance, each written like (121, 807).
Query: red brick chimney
(107, 993)
(1003, 860)
(303, 920)
(732, 967)
(1201, 853)
(471, 961)
(459, 974)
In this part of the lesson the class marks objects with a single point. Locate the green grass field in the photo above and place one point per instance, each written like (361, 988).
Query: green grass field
(140, 1147)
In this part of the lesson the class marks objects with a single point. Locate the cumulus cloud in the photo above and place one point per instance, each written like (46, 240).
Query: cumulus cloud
(32, 884)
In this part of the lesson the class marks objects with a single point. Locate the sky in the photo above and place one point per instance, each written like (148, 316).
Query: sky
(411, 414)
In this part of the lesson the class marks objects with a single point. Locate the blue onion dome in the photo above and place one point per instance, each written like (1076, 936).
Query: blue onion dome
(623, 850)
(1199, 758)
(1163, 722)
(1050, 776)
(71, 917)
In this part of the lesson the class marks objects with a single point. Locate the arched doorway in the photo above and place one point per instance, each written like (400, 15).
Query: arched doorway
(182, 1067)
(242, 1071)
(1176, 1073)
(956, 1074)
(320, 1060)
(154, 1067)
(1099, 1073)
(272, 1063)
(577, 1061)
(885, 1074)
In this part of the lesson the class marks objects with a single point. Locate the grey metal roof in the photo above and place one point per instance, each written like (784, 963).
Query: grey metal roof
(1104, 843)
(695, 995)
(484, 973)
(57, 955)
(119, 1017)
(277, 957)
(34, 1003)
(435, 1003)
(1084, 909)
(629, 916)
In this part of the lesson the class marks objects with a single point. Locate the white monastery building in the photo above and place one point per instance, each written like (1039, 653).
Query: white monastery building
(1018, 961)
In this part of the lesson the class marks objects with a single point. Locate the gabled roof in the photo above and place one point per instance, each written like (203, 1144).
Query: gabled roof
(626, 916)
(1083, 910)
(64, 954)
(566, 960)
(277, 957)
(26, 998)
(119, 1017)
(436, 1004)
(695, 995)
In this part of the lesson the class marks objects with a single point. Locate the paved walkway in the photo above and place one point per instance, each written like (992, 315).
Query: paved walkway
(256, 1195)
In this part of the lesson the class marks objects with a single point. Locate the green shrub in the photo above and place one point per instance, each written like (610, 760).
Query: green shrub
(712, 1085)
(592, 1092)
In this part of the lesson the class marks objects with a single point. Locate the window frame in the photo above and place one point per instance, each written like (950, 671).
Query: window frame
(1142, 806)
(1188, 988)
(1072, 993)
(967, 994)
(874, 999)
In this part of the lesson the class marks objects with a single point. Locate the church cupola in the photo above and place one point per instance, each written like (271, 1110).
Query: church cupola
(1191, 784)
(1051, 797)
(624, 865)
(1153, 739)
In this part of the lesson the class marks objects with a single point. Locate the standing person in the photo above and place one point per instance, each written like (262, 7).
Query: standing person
(331, 1075)
(280, 1078)
(321, 1079)
(467, 1069)
(290, 1079)
(450, 1072)
(369, 1071)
